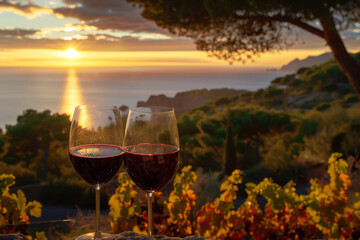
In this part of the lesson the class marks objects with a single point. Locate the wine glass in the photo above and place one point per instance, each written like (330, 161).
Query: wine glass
(95, 150)
(151, 144)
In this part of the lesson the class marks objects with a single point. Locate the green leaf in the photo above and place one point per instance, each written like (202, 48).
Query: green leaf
(6, 180)
(41, 236)
(114, 207)
(9, 202)
(131, 211)
(34, 208)
(21, 201)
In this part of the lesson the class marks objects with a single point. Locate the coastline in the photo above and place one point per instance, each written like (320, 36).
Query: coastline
(42, 89)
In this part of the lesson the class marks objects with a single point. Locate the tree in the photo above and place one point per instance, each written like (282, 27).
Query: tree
(251, 125)
(230, 163)
(35, 131)
(2, 144)
(236, 30)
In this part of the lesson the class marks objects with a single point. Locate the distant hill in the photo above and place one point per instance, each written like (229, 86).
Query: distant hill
(314, 87)
(184, 101)
(310, 61)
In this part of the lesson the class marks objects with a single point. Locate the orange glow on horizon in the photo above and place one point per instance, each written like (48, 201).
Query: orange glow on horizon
(52, 58)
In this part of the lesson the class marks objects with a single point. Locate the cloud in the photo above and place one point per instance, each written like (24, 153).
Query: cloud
(108, 14)
(107, 20)
(28, 10)
(16, 33)
(68, 28)
(99, 42)
(120, 15)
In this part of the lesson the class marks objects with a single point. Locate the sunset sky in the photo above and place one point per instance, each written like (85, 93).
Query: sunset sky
(108, 33)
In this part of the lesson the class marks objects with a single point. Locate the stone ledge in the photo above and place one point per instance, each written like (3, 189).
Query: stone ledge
(121, 236)
(12, 237)
(136, 236)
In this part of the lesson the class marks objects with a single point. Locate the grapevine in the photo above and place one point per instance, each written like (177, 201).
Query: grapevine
(324, 212)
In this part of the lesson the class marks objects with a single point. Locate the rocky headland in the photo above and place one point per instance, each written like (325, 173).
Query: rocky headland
(184, 101)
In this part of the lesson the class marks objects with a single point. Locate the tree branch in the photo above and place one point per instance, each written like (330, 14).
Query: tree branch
(287, 19)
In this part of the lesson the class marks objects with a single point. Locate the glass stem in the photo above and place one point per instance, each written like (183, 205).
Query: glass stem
(97, 234)
(150, 224)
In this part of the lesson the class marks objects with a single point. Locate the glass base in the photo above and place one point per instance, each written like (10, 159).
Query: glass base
(90, 236)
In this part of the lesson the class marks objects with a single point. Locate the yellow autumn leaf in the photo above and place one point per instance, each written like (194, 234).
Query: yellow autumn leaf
(137, 230)
(221, 232)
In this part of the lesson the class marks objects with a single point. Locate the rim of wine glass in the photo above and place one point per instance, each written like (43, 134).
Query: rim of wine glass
(97, 106)
(149, 109)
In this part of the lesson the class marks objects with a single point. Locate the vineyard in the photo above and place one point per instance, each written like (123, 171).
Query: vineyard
(15, 211)
(328, 211)
(324, 212)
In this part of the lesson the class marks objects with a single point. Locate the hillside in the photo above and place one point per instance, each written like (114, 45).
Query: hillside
(295, 64)
(310, 87)
(184, 101)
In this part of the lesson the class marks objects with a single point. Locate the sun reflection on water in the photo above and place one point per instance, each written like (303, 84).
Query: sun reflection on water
(72, 96)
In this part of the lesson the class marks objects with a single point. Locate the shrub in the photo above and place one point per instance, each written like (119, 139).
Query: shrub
(351, 98)
(324, 212)
(23, 174)
(15, 210)
(124, 208)
(322, 106)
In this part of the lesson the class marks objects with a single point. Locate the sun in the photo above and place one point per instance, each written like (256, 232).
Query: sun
(70, 53)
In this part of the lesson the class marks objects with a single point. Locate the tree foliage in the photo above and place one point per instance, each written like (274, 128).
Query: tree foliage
(239, 30)
(35, 131)
(234, 30)
(249, 127)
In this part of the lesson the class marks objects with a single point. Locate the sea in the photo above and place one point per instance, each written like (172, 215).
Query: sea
(61, 89)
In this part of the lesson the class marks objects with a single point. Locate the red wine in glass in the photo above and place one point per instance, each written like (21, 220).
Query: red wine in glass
(151, 145)
(152, 166)
(97, 163)
(96, 153)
